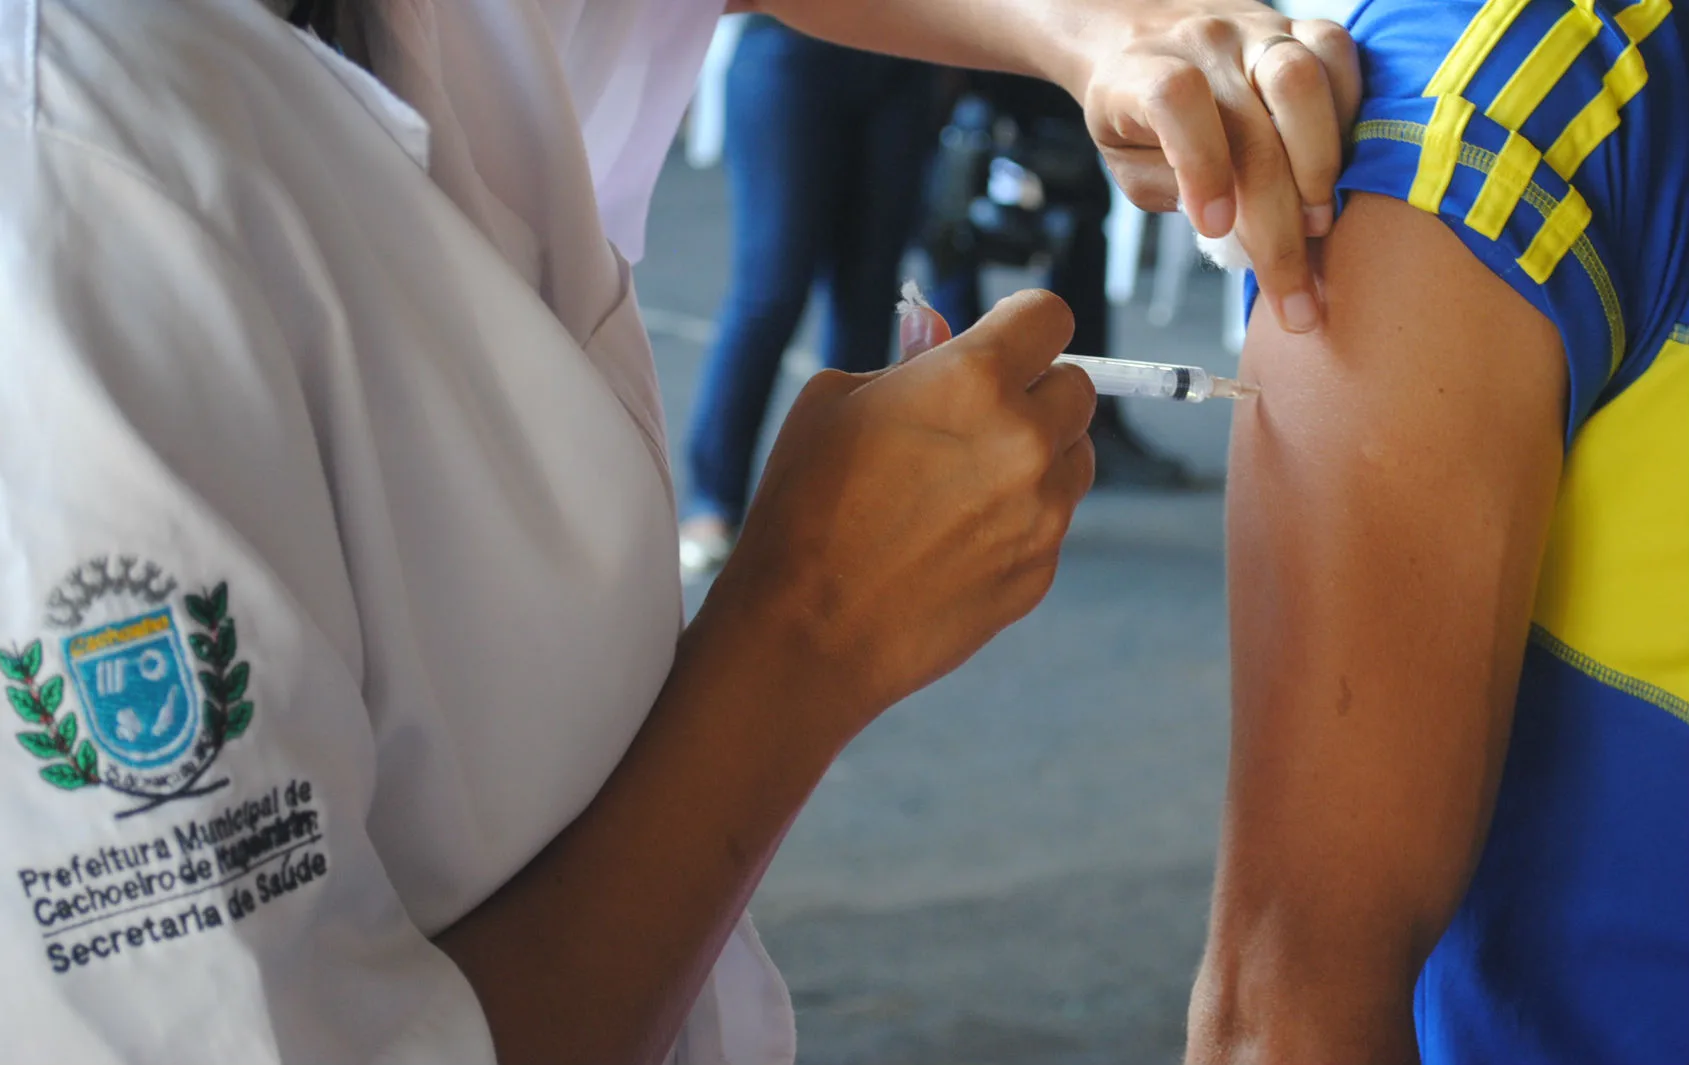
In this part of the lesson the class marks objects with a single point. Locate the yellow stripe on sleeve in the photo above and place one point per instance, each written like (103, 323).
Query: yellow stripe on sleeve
(1440, 152)
(1544, 67)
(1560, 230)
(1640, 19)
(1504, 186)
(1600, 117)
(1476, 42)
(1484, 161)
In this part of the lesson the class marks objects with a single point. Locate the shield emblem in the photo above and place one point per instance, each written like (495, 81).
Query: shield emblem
(136, 689)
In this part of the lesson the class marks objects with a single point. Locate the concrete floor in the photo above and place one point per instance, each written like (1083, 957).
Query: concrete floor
(1012, 867)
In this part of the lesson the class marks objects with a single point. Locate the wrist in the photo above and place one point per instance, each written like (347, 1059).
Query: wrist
(768, 646)
(1085, 36)
(1075, 38)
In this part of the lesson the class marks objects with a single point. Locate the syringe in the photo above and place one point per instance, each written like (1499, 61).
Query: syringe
(1189, 384)
(1122, 377)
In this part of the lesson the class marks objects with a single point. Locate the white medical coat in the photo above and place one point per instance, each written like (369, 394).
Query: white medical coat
(336, 536)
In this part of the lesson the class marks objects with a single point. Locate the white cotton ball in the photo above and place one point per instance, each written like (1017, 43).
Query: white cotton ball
(1225, 252)
(912, 299)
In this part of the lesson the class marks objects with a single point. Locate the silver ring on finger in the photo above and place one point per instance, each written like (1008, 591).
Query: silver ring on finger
(1266, 45)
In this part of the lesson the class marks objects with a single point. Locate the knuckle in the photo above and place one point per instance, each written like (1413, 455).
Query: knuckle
(1175, 87)
(1149, 190)
(826, 382)
(1324, 36)
(1025, 454)
(1085, 459)
(1035, 586)
(1053, 311)
(1295, 72)
(1100, 106)
(1082, 389)
(1209, 31)
(1284, 258)
(822, 387)
(1049, 530)
(1042, 319)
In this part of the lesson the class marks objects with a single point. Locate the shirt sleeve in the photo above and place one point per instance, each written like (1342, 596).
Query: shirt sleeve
(1530, 127)
(630, 120)
(184, 791)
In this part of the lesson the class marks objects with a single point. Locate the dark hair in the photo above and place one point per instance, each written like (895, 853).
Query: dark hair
(315, 15)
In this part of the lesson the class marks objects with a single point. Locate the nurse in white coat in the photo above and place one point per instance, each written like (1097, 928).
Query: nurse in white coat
(338, 610)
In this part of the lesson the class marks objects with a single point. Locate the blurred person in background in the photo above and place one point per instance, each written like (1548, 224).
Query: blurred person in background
(825, 148)
(1016, 181)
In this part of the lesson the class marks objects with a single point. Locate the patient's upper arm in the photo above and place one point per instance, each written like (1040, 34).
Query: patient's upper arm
(1391, 489)
(1390, 496)
(1505, 267)
(1388, 501)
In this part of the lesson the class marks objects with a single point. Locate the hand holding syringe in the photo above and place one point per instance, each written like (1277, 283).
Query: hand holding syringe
(1123, 377)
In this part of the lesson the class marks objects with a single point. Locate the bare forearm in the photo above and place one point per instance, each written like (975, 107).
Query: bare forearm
(1041, 38)
(596, 951)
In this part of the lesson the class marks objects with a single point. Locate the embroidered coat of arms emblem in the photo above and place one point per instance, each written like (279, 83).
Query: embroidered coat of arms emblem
(145, 713)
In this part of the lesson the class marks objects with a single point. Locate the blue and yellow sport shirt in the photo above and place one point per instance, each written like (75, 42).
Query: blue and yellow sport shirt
(1553, 137)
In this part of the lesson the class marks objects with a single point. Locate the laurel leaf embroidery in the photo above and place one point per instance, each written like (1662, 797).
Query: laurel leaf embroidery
(12, 667)
(213, 685)
(67, 730)
(52, 694)
(40, 744)
(219, 603)
(226, 642)
(64, 776)
(24, 703)
(32, 658)
(235, 686)
(204, 649)
(201, 610)
(87, 760)
(240, 716)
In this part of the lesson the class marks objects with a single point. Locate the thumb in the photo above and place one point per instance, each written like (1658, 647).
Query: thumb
(919, 330)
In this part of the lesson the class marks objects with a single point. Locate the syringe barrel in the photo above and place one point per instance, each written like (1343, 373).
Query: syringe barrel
(1122, 377)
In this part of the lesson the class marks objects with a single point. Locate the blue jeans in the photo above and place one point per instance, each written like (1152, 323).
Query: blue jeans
(825, 152)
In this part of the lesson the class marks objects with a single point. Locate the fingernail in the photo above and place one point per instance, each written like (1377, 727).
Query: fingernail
(1299, 312)
(917, 332)
(1316, 221)
(1218, 216)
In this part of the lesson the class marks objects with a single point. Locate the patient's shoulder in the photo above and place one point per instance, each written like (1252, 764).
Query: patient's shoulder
(1550, 135)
